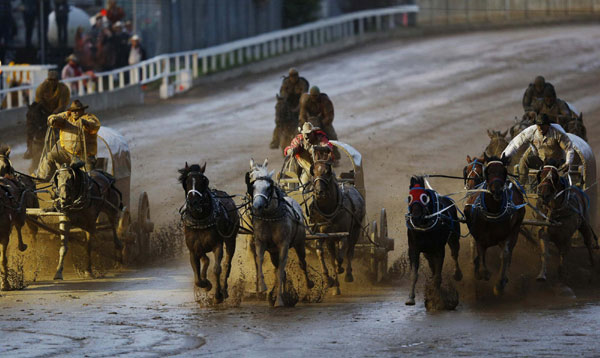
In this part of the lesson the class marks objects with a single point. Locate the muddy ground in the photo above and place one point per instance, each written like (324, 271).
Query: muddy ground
(409, 106)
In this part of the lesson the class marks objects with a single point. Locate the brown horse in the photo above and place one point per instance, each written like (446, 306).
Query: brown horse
(335, 208)
(576, 127)
(494, 218)
(286, 124)
(432, 222)
(567, 205)
(37, 126)
(81, 197)
(210, 220)
(473, 172)
(498, 143)
(16, 196)
(278, 225)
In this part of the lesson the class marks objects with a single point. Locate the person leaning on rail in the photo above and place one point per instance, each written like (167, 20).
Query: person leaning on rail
(548, 140)
(78, 140)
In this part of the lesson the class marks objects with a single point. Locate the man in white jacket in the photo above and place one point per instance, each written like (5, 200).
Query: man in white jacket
(547, 139)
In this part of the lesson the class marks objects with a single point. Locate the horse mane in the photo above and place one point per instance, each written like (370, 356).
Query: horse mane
(417, 180)
(259, 171)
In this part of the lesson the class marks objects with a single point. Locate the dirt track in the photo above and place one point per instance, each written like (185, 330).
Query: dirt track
(410, 106)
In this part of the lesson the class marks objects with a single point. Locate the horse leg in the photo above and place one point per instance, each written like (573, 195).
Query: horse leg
(588, 239)
(454, 243)
(438, 264)
(543, 238)
(506, 259)
(476, 254)
(204, 281)
(22, 245)
(281, 279)
(413, 255)
(332, 246)
(301, 253)
(486, 271)
(64, 247)
(4, 262)
(88, 238)
(324, 270)
(341, 253)
(195, 262)
(260, 256)
(352, 239)
(229, 252)
(217, 270)
(253, 251)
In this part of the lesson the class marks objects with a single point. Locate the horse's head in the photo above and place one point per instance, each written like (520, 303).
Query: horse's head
(260, 184)
(549, 180)
(67, 182)
(495, 175)
(473, 172)
(498, 143)
(5, 165)
(576, 127)
(321, 170)
(419, 200)
(194, 183)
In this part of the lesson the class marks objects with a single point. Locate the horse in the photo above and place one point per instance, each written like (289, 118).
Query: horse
(37, 127)
(334, 208)
(473, 172)
(278, 225)
(520, 125)
(498, 143)
(494, 217)
(286, 124)
(81, 197)
(16, 196)
(565, 204)
(210, 220)
(432, 222)
(576, 127)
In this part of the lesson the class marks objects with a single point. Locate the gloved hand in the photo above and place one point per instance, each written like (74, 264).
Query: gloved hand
(564, 168)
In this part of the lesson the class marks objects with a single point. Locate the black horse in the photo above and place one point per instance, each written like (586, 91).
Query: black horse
(210, 220)
(432, 222)
(36, 127)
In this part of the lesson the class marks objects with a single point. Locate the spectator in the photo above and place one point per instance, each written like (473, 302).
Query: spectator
(6, 30)
(61, 12)
(30, 13)
(71, 70)
(136, 53)
(121, 45)
(128, 28)
(114, 13)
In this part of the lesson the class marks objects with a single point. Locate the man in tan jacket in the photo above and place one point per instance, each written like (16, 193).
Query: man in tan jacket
(78, 139)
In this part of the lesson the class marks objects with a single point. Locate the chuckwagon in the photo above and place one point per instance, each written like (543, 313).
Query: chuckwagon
(113, 158)
(373, 244)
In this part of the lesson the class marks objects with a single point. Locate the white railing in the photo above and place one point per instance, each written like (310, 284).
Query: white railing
(178, 70)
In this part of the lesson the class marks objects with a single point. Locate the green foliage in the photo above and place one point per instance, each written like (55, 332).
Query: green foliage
(298, 12)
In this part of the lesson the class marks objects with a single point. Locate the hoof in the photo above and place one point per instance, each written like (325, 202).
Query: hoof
(4, 286)
(330, 282)
(498, 290)
(336, 291)
(340, 270)
(310, 284)
(206, 285)
(89, 274)
(410, 302)
(58, 276)
(349, 277)
(458, 275)
(225, 294)
(279, 302)
(262, 288)
(219, 297)
(541, 278)
(271, 298)
(22, 247)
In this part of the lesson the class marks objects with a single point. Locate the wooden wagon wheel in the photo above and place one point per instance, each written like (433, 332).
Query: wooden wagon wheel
(144, 225)
(124, 232)
(379, 253)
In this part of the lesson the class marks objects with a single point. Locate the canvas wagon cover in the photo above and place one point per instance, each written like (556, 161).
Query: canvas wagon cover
(118, 150)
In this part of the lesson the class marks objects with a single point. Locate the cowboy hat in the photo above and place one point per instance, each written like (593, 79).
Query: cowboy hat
(72, 57)
(77, 106)
(307, 128)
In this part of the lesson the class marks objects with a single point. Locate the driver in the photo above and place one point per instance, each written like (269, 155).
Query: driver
(547, 139)
(71, 145)
(301, 148)
(534, 93)
(292, 87)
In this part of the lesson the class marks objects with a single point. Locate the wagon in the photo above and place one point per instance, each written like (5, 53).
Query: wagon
(374, 244)
(582, 173)
(114, 158)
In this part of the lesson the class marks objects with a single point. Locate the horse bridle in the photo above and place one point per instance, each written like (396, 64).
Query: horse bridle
(193, 191)
(496, 178)
(473, 170)
(80, 200)
(550, 176)
(271, 188)
(321, 178)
